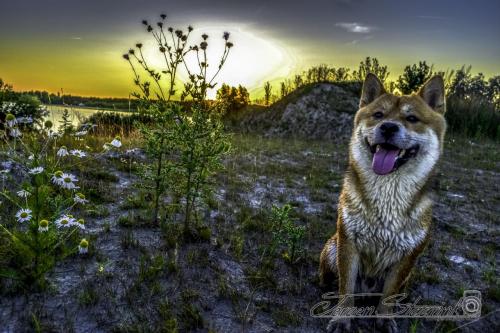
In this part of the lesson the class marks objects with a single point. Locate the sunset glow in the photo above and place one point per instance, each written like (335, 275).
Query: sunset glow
(251, 61)
(49, 47)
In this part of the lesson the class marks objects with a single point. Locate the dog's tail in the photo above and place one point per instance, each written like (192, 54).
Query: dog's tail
(328, 262)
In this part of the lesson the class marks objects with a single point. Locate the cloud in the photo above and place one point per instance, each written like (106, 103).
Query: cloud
(357, 41)
(355, 27)
(76, 38)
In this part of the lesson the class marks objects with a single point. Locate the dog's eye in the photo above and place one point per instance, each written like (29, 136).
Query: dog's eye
(378, 115)
(412, 119)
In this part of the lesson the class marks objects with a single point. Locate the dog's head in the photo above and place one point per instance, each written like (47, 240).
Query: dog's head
(401, 134)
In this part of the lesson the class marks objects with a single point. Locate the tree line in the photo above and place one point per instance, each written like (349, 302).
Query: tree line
(459, 83)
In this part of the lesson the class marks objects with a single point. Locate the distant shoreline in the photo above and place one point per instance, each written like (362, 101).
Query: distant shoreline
(90, 108)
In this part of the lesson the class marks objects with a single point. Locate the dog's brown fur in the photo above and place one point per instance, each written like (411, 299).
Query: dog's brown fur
(384, 220)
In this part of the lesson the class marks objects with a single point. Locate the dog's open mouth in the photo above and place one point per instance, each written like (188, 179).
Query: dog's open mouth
(388, 158)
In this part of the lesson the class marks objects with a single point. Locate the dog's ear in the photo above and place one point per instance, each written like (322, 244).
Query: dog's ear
(372, 88)
(432, 92)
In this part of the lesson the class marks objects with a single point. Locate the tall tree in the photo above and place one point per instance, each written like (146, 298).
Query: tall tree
(414, 76)
(298, 82)
(234, 98)
(267, 92)
(370, 65)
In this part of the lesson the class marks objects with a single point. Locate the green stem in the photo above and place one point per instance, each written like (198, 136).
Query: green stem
(157, 188)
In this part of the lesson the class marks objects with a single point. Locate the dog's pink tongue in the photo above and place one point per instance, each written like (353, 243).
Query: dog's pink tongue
(384, 160)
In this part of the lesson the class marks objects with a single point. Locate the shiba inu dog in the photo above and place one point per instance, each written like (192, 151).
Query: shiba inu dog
(384, 212)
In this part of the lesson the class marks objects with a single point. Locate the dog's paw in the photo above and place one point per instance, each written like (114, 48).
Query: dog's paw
(339, 326)
(387, 325)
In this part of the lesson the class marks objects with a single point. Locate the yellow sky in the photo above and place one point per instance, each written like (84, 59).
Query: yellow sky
(93, 66)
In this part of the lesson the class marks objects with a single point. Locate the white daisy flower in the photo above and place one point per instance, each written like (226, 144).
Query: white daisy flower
(116, 142)
(80, 224)
(43, 226)
(65, 221)
(23, 215)
(81, 133)
(68, 181)
(11, 120)
(53, 134)
(36, 171)
(83, 247)
(57, 177)
(63, 151)
(15, 133)
(31, 157)
(7, 164)
(25, 120)
(23, 194)
(78, 153)
(79, 198)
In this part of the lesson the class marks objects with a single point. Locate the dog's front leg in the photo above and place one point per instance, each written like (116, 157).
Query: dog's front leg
(396, 277)
(348, 269)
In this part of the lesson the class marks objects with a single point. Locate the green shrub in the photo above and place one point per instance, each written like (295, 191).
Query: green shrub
(473, 118)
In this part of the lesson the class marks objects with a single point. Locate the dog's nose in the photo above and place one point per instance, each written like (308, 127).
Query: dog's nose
(388, 129)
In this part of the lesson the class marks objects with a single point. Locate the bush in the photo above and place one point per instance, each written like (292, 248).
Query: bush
(474, 117)
(414, 77)
(37, 199)
(113, 123)
(25, 107)
(234, 97)
(185, 145)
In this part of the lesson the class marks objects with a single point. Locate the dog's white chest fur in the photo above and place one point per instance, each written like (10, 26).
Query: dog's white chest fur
(387, 230)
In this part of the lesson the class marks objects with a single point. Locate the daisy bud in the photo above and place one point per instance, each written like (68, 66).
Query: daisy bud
(43, 226)
(80, 198)
(116, 142)
(63, 151)
(80, 223)
(84, 246)
(11, 120)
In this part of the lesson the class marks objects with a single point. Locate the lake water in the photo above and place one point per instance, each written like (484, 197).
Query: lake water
(77, 114)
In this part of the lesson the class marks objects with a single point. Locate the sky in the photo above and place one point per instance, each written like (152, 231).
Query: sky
(77, 46)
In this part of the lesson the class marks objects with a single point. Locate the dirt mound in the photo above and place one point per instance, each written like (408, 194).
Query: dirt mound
(318, 111)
